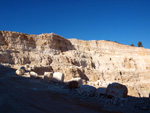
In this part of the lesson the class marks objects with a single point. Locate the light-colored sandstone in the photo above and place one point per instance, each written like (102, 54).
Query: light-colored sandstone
(33, 74)
(79, 80)
(20, 72)
(103, 61)
(48, 76)
(58, 77)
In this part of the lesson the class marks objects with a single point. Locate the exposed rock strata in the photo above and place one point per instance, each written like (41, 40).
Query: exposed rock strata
(90, 60)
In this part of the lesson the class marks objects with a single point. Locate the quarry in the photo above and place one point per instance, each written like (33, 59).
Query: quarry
(39, 72)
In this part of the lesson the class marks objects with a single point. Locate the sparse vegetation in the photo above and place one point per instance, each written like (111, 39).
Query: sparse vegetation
(140, 44)
(132, 45)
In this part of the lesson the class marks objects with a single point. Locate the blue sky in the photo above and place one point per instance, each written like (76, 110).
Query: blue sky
(124, 21)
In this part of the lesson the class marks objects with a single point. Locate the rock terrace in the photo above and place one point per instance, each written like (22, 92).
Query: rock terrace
(99, 63)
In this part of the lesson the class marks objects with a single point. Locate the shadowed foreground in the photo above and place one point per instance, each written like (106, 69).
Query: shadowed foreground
(25, 95)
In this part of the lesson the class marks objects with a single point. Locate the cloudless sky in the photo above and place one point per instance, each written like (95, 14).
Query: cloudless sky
(124, 21)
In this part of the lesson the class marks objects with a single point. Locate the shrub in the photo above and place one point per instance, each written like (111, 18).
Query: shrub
(132, 45)
(140, 44)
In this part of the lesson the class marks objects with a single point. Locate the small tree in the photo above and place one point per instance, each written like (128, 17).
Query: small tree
(140, 44)
(132, 45)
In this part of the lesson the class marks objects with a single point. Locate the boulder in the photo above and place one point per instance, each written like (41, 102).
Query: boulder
(20, 72)
(87, 90)
(27, 74)
(58, 77)
(33, 74)
(40, 70)
(78, 79)
(73, 84)
(116, 90)
(48, 76)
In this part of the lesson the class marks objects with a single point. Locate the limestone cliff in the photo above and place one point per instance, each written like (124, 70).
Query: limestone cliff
(105, 61)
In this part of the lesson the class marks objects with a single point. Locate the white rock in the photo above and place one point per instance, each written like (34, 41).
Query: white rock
(48, 76)
(33, 74)
(27, 74)
(20, 71)
(58, 77)
(79, 80)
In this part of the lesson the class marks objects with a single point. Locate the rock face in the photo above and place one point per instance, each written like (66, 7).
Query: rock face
(92, 61)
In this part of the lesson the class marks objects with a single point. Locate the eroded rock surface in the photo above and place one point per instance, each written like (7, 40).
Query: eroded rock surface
(103, 61)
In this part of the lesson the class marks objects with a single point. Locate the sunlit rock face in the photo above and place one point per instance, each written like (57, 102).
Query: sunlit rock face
(93, 61)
